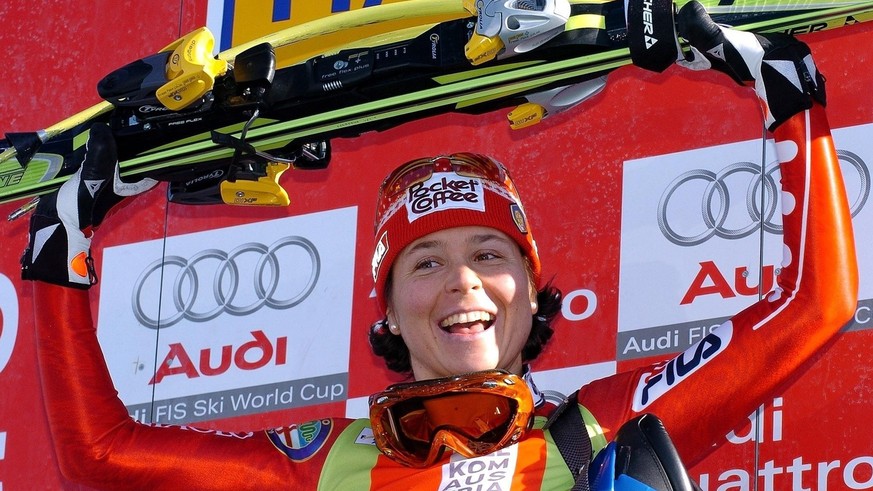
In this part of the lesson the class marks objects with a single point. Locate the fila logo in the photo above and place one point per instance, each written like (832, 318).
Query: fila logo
(663, 377)
(379, 253)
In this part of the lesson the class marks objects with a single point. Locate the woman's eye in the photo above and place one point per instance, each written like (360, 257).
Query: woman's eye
(426, 264)
(484, 256)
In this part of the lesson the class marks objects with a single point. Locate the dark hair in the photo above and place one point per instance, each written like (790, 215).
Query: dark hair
(396, 353)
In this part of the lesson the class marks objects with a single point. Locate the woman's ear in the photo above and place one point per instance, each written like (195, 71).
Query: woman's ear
(393, 327)
(531, 286)
(534, 306)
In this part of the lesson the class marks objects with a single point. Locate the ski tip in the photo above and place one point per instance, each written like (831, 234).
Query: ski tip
(7, 153)
(25, 145)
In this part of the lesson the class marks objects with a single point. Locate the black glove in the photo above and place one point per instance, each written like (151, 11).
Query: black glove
(59, 246)
(651, 34)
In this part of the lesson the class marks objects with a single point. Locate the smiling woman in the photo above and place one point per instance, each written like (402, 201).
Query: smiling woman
(457, 270)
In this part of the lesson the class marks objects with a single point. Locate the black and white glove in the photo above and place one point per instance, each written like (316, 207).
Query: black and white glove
(779, 66)
(61, 227)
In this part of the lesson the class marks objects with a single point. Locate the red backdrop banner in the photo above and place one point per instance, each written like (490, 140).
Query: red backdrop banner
(593, 180)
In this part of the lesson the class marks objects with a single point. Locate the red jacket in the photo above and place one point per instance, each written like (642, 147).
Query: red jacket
(699, 395)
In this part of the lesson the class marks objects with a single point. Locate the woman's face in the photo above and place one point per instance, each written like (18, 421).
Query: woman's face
(462, 300)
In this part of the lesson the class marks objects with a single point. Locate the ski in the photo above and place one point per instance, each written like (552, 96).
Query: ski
(276, 105)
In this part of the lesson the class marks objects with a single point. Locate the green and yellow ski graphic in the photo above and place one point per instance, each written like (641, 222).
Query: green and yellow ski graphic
(402, 83)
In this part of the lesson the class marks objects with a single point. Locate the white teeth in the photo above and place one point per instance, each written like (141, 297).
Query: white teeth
(466, 317)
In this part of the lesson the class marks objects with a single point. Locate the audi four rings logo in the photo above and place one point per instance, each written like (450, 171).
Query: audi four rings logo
(716, 202)
(251, 266)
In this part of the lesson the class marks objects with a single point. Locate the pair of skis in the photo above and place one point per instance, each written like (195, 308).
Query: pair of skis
(223, 128)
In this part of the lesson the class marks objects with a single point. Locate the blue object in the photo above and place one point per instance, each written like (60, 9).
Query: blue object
(601, 474)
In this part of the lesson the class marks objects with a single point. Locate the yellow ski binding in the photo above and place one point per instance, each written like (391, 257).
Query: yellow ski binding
(505, 29)
(191, 70)
(265, 191)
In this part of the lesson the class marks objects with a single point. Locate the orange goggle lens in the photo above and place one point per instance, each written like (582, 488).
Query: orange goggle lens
(464, 164)
(473, 414)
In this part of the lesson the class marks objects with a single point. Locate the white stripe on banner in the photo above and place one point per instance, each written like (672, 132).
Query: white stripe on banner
(215, 22)
(2, 451)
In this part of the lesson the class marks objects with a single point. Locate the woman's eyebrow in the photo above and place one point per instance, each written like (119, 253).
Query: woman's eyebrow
(427, 244)
(475, 239)
(482, 238)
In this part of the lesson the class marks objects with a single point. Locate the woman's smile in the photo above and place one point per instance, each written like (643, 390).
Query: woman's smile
(467, 322)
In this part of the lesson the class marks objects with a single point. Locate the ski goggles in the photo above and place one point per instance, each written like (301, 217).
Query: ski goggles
(473, 414)
(463, 164)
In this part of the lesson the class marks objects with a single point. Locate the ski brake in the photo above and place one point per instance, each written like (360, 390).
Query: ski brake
(255, 182)
(509, 27)
(541, 105)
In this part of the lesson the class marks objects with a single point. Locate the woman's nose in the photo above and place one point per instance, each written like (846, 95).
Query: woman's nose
(462, 278)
